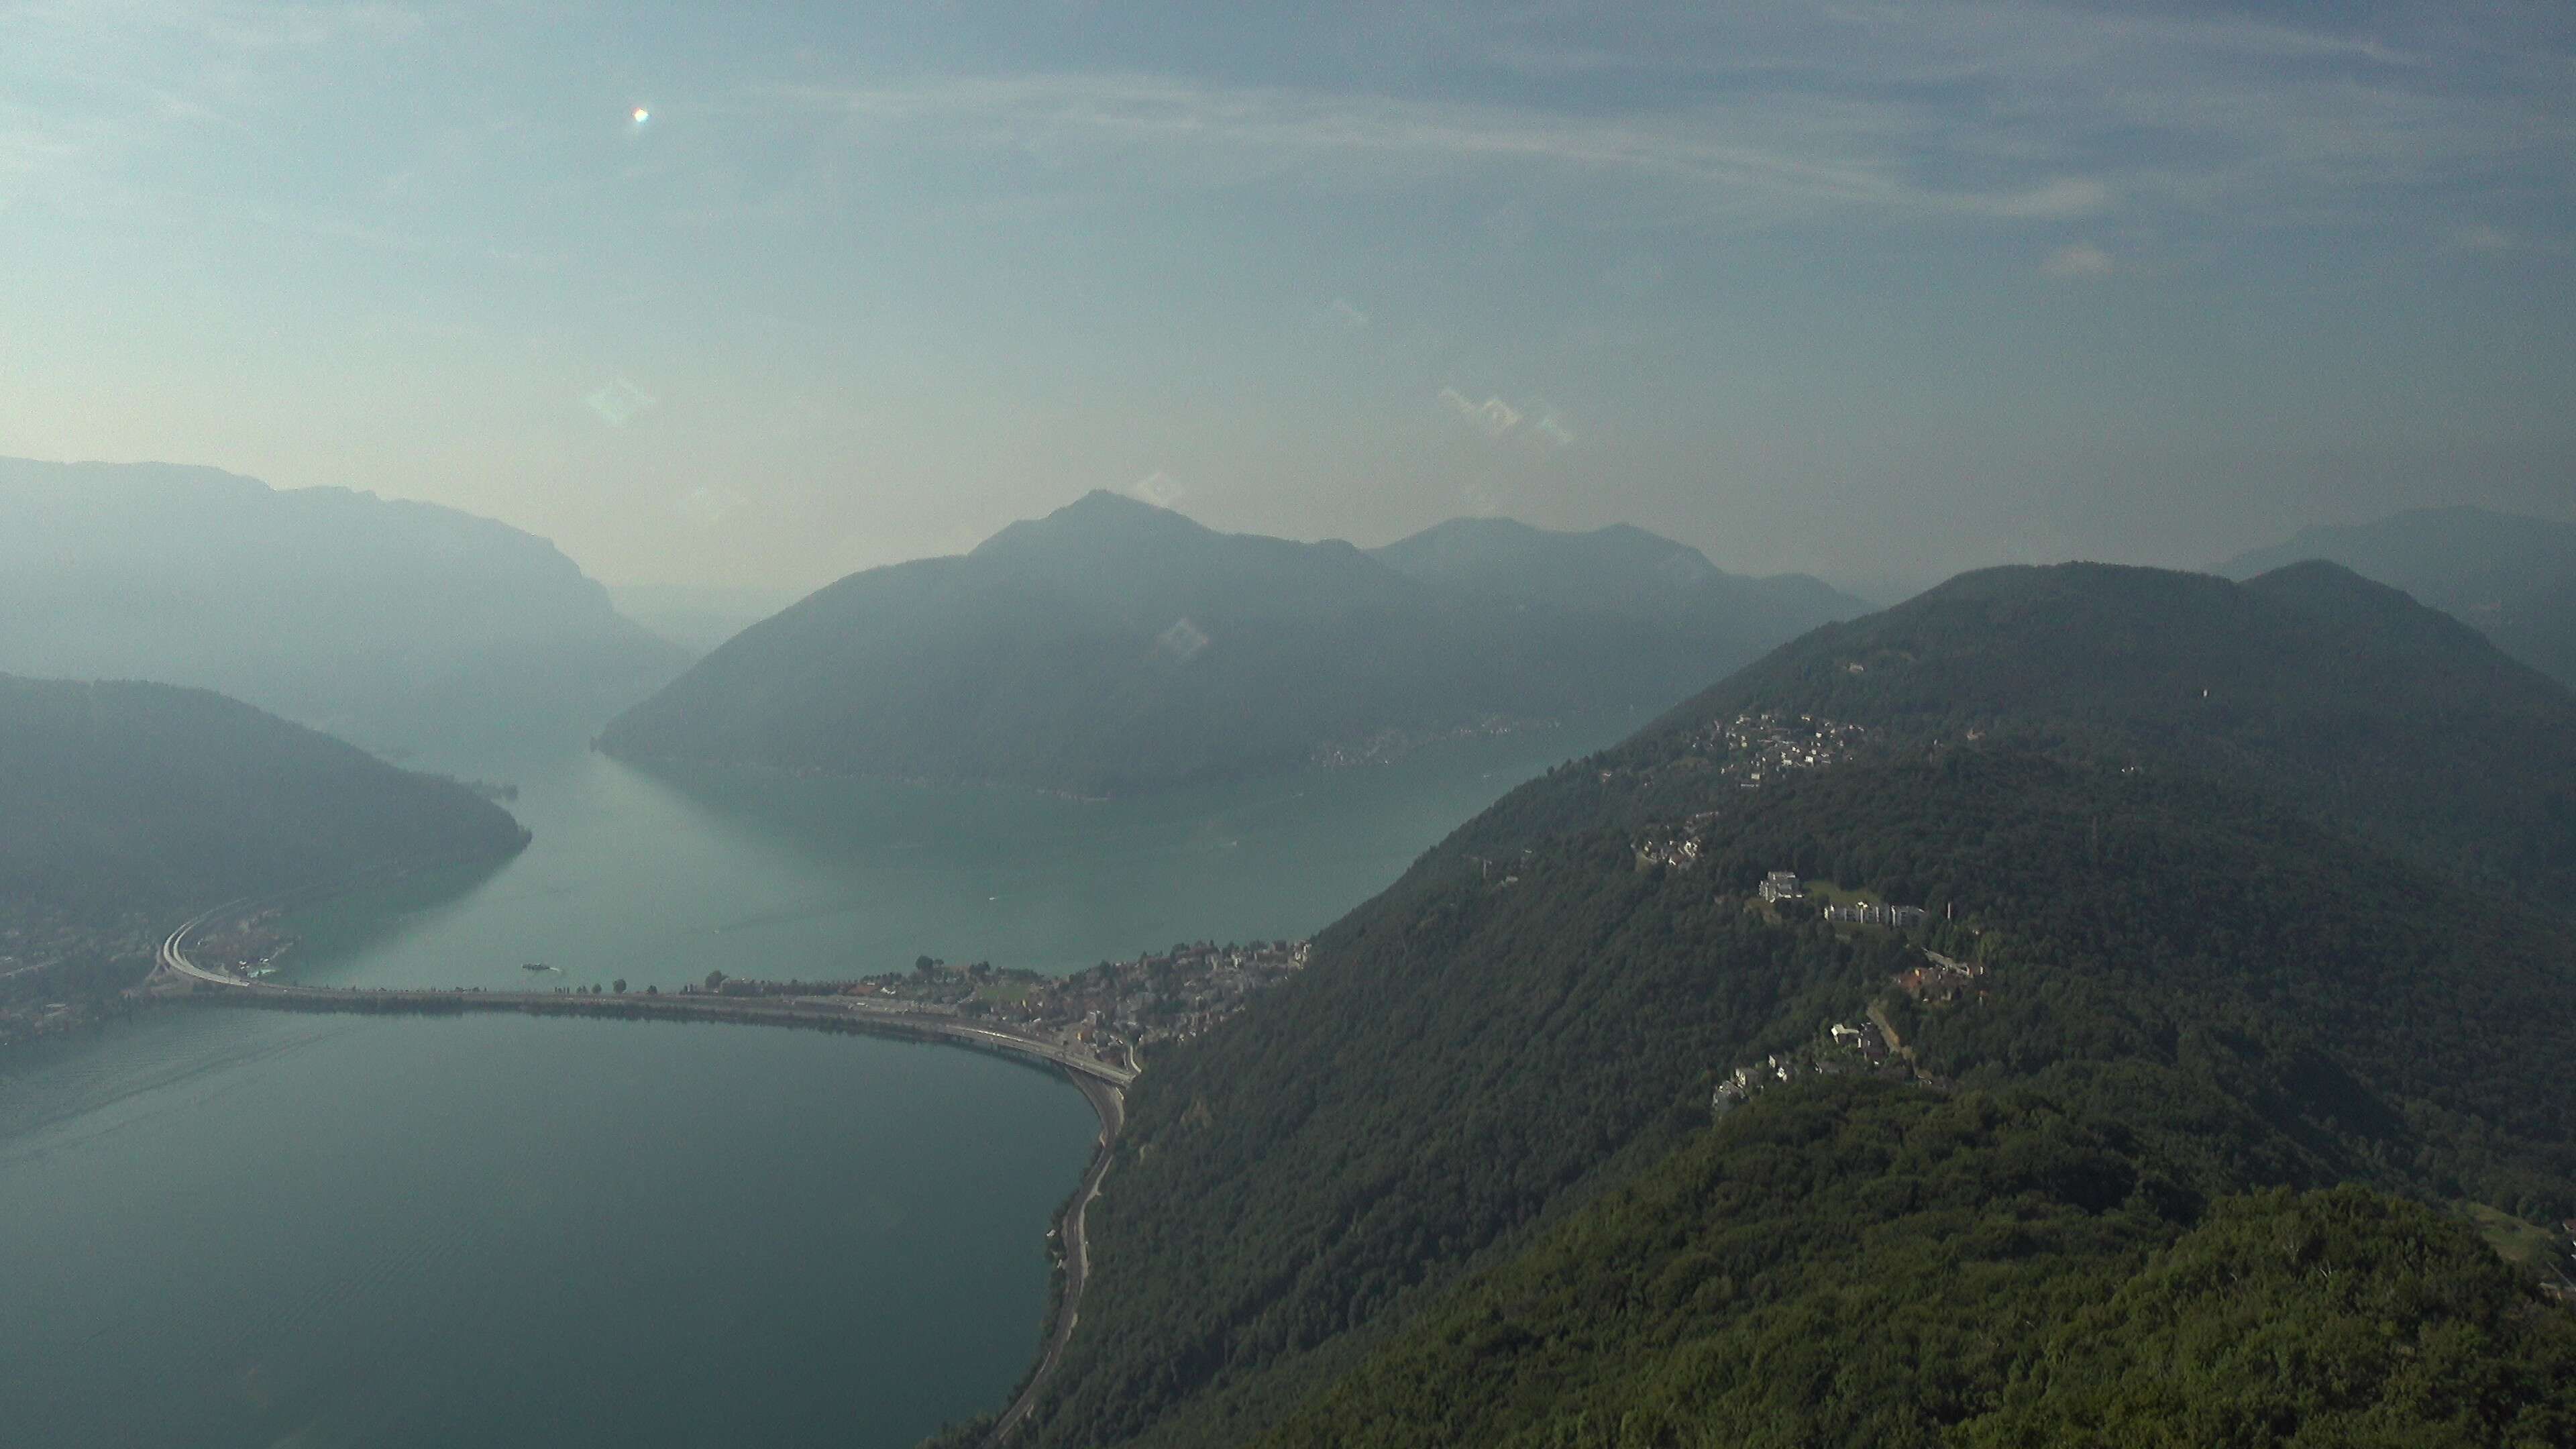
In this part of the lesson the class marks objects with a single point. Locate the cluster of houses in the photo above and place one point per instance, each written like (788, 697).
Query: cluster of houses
(1900, 917)
(1841, 1049)
(43, 958)
(1111, 1010)
(1940, 980)
(1674, 852)
(1754, 746)
(1869, 1044)
(1781, 887)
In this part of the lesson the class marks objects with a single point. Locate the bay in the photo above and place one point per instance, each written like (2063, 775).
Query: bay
(231, 1228)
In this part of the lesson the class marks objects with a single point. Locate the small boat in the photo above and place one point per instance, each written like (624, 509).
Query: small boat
(534, 966)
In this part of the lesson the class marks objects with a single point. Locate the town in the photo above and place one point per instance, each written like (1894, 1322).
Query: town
(1114, 1012)
(1387, 746)
(58, 972)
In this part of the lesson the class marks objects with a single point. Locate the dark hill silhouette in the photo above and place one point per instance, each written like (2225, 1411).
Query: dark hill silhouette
(1113, 646)
(2512, 578)
(120, 798)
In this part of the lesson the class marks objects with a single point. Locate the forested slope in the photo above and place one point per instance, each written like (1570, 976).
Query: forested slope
(125, 798)
(1113, 647)
(2513, 579)
(2215, 963)
(2339, 698)
(1865, 1264)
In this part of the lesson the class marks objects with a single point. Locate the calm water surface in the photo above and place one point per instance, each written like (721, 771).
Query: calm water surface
(236, 1228)
(662, 877)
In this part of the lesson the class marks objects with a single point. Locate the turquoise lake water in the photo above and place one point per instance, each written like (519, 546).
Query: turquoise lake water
(230, 1228)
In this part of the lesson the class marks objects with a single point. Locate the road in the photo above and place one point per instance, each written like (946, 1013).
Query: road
(835, 1013)
(1111, 1104)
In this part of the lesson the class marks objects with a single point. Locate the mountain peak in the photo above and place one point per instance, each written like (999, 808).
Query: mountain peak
(1098, 521)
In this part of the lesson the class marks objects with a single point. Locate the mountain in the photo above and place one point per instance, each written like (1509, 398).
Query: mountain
(1113, 646)
(2513, 578)
(2257, 1024)
(401, 626)
(1618, 571)
(2334, 692)
(120, 798)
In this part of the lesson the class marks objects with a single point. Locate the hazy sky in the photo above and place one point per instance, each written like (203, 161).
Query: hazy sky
(766, 293)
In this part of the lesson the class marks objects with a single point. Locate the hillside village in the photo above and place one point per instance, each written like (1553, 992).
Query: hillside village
(1758, 746)
(1748, 750)
(1870, 1045)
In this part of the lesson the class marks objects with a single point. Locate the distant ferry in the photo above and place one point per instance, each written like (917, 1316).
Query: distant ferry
(534, 966)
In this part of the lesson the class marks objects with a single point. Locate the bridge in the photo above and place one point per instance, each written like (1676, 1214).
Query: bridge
(825, 1013)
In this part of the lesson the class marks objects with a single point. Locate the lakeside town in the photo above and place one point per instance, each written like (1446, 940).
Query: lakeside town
(1115, 1012)
(58, 975)
(1387, 746)
(59, 972)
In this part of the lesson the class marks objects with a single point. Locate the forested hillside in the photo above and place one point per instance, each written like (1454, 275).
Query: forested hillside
(2310, 684)
(117, 798)
(2231, 872)
(1113, 647)
(405, 627)
(1867, 1264)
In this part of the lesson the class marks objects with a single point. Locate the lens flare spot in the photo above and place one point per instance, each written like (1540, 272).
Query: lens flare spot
(642, 115)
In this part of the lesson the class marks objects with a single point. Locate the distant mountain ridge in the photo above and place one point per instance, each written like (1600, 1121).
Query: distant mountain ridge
(403, 626)
(2512, 578)
(1113, 646)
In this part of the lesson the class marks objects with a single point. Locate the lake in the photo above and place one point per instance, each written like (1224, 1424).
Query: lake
(238, 1228)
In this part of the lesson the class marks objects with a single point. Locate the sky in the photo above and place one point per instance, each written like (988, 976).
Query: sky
(761, 295)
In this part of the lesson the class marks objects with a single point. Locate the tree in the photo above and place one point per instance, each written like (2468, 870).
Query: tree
(921, 966)
(619, 986)
(715, 980)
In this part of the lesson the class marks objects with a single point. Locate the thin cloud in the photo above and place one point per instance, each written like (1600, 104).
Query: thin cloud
(1770, 114)
(1177, 133)
(1498, 419)
(1158, 488)
(708, 507)
(619, 402)
(2078, 260)
(1493, 417)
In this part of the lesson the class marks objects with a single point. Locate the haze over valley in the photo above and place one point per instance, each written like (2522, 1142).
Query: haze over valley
(1147, 727)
